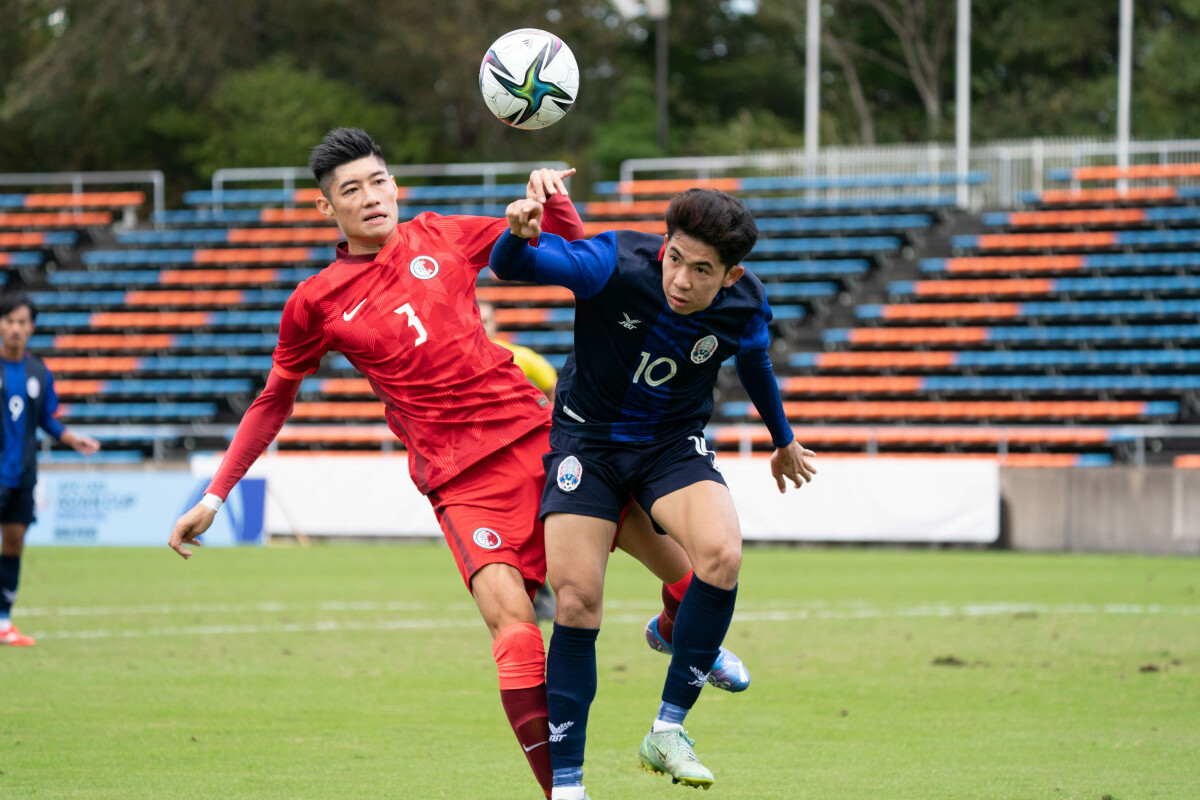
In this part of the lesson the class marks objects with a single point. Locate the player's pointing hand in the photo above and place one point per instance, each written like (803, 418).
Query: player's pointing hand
(792, 462)
(545, 182)
(524, 218)
(188, 527)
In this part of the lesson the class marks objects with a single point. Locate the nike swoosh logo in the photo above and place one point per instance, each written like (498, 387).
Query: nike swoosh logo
(527, 749)
(350, 315)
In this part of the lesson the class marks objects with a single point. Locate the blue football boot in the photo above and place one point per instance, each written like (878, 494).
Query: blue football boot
(728, 671)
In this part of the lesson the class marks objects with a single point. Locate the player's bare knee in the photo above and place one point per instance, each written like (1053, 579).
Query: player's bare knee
(577, 607)
(720, 563)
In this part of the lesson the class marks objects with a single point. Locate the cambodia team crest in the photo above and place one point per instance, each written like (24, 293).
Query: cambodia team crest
(703, 349)
(486, 538)
(423, 267)
(570, 472)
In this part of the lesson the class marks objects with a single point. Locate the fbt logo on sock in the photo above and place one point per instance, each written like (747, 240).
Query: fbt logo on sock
(559, 732)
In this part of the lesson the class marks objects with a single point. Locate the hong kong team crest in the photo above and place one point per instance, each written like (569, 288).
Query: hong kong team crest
(486, 538)
(703, 349)
(570, 472)
(423, 267)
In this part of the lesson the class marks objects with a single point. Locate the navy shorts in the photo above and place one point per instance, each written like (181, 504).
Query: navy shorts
(595, 479)
(16, 505)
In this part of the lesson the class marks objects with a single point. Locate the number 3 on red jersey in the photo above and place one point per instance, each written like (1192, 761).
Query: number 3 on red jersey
(413, 322)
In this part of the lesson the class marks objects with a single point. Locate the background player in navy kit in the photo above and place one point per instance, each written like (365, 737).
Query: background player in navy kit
(29, 403)
(654, 320)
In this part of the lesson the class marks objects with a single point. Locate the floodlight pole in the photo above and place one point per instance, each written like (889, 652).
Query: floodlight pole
(812, 84)
(962, 101)
(660, 81)
(1124, 82)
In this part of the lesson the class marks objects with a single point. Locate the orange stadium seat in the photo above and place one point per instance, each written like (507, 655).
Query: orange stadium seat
(261, 235)
(326, 410)
(78, 388)
(1136, 172)
(63, 219)
(1015, 263)
(982, 409)
(525, 294)
(636, 208)
(199, 277)
(111, 342)
(982, 288)
(21, 239)
(334, 434)
(1132, 194)
(266, 255)
(309, 195)
(291, 215)
(952, 311)
(521, 316)
(65, 365)
(1041, 241)
(1189, 461)
(917, 335)
(149, 319)
(644, 225)
(805, 385)
(85, 199)
(346, 386)
(1097, 216)
(218, 297)
(884, 360)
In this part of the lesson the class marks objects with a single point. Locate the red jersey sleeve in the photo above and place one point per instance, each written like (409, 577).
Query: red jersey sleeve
(301, 337)
(561, 218)
(259, 427)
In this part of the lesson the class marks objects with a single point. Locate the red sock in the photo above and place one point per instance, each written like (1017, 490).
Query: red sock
(521, 662)
(672, 596)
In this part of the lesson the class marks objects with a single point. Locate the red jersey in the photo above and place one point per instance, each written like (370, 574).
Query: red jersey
(407, 319)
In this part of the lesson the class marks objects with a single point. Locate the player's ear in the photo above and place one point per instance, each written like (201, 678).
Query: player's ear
(325, 207)
(732, 276)
(392, 178)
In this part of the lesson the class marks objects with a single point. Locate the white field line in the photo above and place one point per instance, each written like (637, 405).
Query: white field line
(858, 611)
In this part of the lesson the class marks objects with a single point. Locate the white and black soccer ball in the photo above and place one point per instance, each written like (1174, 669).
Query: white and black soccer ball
(529, 78)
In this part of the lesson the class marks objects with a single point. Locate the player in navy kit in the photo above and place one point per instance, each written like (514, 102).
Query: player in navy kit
(30, 402)
(655, 318)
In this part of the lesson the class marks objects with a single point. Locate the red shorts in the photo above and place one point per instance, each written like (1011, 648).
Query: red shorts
(489, 513)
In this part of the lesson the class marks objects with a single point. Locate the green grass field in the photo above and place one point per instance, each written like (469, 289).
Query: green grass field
(364, 672)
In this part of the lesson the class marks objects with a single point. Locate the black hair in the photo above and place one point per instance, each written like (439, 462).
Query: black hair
(11, 301)
(717, 219)
(340, 146)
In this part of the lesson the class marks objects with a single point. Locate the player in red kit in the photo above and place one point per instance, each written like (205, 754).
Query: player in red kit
(399, 303)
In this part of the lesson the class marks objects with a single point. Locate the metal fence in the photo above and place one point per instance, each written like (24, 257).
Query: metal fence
(1014, 166)
(77, 181)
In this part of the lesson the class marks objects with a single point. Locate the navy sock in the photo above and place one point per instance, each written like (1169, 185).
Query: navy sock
(700, 627)
(570, 690)
(10, 572)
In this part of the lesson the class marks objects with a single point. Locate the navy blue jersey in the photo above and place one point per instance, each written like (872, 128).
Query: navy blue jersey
(29, 403)
(638, 371)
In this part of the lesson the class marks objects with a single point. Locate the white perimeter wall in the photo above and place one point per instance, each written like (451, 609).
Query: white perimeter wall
(868, 499)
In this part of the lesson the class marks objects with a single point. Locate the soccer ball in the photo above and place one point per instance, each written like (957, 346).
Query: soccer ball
(529, 79)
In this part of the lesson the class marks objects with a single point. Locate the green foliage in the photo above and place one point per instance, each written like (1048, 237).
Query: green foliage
(192, 85)
(273, 114)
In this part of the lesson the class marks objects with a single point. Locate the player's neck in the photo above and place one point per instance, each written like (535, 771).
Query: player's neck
(13, 354)
(366, 247)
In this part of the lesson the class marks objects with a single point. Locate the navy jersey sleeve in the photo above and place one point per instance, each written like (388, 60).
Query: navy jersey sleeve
(49, 424)
(754, 370)
(584, 266)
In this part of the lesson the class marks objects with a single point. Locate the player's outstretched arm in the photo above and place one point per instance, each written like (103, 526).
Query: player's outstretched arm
(792, 462)
(82, 444)
(524, 218)
(545, 183)
(259, 427)
(189, 526)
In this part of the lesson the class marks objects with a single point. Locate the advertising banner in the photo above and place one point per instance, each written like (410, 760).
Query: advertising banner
(137, 509)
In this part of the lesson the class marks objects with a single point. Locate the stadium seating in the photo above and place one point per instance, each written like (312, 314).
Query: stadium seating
(1038, 342)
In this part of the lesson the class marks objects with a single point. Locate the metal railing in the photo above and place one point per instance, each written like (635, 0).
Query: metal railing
(289, 177)
(78, 180)
(1015, 166)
